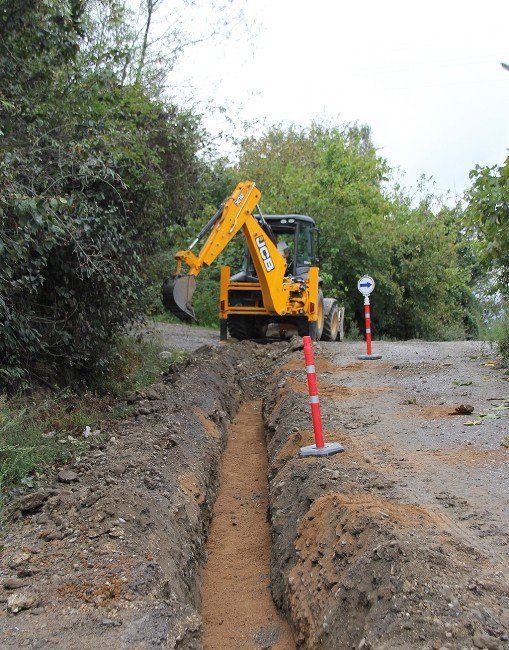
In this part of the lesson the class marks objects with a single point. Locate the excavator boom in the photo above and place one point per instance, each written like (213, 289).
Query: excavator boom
(236, 214)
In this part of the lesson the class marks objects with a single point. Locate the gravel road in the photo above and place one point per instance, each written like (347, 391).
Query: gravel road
(180, 336)
(406, 426)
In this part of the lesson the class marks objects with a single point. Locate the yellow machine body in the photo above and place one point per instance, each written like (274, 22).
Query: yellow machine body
(280, 295)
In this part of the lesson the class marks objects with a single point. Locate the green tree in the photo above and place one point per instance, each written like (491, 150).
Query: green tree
(91, 171)
(487, 220)
(336, 176)
(488, 217)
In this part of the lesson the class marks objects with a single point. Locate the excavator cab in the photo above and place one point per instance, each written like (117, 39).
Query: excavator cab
(300, 235)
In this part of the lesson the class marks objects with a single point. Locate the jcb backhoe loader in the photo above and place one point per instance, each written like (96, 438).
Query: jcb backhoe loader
(271, 288)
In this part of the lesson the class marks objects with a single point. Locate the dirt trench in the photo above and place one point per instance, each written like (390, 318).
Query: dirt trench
(110, 555)
(383, 546)
(238, 610)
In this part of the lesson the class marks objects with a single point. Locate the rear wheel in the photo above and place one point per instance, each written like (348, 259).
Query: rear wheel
(243, 327)
(331, 320)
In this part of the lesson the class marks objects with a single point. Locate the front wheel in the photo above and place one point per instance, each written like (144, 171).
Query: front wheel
(331, 320)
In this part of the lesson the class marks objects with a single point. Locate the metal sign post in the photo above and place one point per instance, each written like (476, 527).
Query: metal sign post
(366, 285)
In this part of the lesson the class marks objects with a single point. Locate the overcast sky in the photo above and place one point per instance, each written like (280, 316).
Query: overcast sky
(425, 76)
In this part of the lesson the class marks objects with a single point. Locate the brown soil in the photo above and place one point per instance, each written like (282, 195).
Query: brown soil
(322, 364)
(238, 610)
(399, 542)
(334, 391)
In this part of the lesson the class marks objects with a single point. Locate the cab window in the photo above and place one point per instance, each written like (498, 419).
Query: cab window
(305, 245)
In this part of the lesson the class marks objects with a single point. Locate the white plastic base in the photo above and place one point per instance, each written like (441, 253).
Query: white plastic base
(329, 449)
(369, 357)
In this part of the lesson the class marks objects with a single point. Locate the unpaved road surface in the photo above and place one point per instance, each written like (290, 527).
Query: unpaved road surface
(402, 541)
(181, 336)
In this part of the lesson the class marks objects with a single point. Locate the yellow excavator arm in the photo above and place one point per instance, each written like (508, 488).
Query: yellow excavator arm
(236, 214)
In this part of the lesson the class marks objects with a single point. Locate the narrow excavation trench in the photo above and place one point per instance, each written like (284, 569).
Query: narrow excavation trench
(238, 610)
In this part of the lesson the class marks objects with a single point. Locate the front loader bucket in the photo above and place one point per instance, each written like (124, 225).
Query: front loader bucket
(178, 295)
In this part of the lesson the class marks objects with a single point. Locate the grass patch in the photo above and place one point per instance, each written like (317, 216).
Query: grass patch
(133, 364)
(497, 334)
(41, 429)
(45, 432)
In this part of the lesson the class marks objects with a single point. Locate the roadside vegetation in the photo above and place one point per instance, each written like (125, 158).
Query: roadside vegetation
(487, 218)
(43, 428)
(103, 177)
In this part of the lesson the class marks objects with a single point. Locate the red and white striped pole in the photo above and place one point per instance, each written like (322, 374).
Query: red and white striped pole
(366, 285)
(316, 414)
(367, 318)
(320, 448)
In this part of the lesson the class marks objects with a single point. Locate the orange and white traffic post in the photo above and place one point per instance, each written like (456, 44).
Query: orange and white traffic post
(366, 285)
(320, 448)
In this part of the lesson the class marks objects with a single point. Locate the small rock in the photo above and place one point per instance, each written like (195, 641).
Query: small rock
(144, 410)
(116, 532)
(296, 343)
(118, 469)
(53, 535)
(17, 602)
(13, 583)
(18, 559)
(486, 641)
(67, 476)
(32, 502)
(462, 409)
(151, 394)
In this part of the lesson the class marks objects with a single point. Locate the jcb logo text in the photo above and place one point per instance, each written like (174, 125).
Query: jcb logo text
(264, 252)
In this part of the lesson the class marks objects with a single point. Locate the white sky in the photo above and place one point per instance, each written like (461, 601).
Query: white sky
(425, 76)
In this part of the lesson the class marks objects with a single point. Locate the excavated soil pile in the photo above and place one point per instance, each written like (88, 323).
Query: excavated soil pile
(110, 555)
(353, 564)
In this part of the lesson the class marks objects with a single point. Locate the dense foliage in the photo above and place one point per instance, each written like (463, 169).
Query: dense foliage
(488, 224)
(91, 170)
(489, 217)
(413, 252)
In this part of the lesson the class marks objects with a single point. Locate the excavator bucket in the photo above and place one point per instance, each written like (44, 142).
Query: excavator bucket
(178, 295)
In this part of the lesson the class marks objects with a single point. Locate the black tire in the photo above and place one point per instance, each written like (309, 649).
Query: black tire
(331, 321)
(223, 330)
(242, 327)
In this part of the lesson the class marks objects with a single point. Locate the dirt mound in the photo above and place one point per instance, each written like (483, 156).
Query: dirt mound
(354, 565)
(399, 542)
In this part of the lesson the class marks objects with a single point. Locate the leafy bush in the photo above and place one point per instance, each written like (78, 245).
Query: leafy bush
(90, 173)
